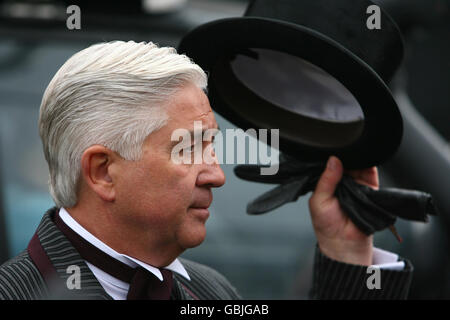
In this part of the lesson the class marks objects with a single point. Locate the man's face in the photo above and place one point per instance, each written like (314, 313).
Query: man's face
(165, 201)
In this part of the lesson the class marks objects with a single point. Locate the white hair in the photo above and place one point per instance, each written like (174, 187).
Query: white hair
(112, 94)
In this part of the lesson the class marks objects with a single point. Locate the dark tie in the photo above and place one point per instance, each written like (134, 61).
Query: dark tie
(144, 285)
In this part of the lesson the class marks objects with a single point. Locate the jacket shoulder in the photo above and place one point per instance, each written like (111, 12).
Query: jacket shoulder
(20, 279)
(207, 283)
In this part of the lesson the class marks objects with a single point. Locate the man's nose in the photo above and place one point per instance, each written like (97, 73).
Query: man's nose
(211, 176)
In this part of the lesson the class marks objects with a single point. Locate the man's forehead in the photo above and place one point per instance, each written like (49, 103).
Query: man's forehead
(190, 106)
(188, 118)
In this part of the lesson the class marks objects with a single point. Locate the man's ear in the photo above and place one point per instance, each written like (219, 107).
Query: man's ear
(95, 168)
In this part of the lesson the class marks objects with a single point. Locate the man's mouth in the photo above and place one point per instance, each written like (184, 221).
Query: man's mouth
(199, 206)
(201, 213)
(202, 204)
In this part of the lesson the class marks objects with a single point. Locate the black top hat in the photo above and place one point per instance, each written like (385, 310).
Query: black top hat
(312, 68)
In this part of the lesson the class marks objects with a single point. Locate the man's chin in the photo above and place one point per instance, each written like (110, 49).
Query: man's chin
(199, 213)
(194, 239)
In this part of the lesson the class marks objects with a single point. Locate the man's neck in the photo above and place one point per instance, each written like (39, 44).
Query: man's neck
(103, 225)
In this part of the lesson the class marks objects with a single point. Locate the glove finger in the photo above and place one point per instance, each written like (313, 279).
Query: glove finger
(251, 172)
(407, 204)
(278, 196)
(286, 172)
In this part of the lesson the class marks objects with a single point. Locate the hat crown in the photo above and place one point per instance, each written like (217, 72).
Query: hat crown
(344, 21)
(256, 78)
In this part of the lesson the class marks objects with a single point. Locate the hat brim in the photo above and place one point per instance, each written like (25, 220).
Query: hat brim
(211, 44)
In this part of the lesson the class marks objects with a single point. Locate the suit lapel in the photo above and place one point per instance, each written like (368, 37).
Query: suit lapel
(68, 264)
(67, 261)
(180, 291)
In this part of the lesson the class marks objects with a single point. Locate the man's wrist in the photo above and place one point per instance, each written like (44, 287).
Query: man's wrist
(348, 251)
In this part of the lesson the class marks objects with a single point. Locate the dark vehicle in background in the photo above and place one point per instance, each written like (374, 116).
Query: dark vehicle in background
(268, 256)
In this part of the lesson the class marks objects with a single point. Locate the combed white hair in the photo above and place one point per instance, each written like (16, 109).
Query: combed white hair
(112, 94)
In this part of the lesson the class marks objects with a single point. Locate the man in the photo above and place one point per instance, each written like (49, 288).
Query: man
(125, 211)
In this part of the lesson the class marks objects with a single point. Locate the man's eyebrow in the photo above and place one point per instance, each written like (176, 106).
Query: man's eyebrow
(191, 132)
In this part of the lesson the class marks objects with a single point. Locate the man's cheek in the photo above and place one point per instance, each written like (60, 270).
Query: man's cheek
(181, 177)
(179, 169)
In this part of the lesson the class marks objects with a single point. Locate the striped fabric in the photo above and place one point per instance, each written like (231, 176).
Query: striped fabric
(20, 279)
(334, 280)
(200, 285)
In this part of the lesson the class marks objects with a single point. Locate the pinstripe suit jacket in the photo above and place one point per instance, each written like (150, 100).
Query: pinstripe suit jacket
(20, 279)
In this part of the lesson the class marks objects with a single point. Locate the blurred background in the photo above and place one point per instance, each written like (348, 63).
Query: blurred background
(268, 256)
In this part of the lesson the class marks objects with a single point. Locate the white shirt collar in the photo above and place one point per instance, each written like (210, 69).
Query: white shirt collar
(175, 266)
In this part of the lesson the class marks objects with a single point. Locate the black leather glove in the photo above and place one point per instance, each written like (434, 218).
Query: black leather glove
(370, 210)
